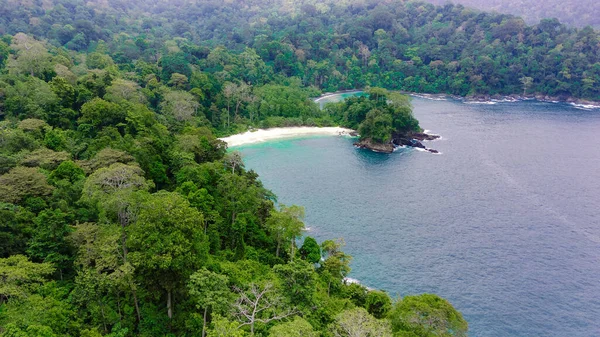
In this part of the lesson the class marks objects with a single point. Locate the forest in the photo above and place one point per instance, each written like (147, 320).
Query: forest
(123, 214)
(577, 13)
(331, 45)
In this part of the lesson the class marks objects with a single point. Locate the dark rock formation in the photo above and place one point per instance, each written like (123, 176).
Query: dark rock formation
(412, 139)
(377, 147)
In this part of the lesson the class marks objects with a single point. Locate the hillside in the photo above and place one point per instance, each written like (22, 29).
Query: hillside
(410, 46)
(574, 13)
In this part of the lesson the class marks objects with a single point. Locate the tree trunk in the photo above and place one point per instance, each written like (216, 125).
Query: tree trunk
(278, 244)
(136, 302)
(204, 325)
(169, 307)
(103, 316)
(292, 253)
(228, 114)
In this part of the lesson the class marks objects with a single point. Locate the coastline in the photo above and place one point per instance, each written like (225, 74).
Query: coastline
(578, 103)
(263, 135)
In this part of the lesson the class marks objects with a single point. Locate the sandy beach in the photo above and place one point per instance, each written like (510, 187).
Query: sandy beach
(262, 135)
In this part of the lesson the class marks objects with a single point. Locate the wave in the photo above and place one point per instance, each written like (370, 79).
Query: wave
(587, 107)
(349, 280)
(431, 97)
(480, 102)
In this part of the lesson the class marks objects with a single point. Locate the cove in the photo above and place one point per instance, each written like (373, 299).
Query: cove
(504, 223)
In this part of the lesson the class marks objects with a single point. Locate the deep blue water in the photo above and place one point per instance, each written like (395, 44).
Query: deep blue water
(504, 223)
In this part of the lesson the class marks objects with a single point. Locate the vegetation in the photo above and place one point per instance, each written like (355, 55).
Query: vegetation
(577, 13)
(122, 214)
(331, 45)
(377, 116)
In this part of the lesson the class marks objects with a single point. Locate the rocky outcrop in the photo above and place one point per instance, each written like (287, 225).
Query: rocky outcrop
(373, 146)
(412, 139)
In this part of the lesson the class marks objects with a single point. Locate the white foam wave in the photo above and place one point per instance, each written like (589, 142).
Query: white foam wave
(506, 100)
(481, 102)
(585, 106)
(349, 280)
(430, 97)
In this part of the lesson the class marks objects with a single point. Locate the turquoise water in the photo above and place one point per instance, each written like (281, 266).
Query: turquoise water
(504, 223)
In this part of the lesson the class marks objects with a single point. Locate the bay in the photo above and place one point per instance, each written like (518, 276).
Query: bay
(504, 223)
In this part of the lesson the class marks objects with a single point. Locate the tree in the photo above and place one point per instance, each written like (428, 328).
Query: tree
(99, 113)
(118, 190)
(124, 91)
(106, 157)
(336, 261)
(222, 327)
(259, 304)
(209, 291)
(180, 105)
(336, 265)
(174, 63)
(358, 323)
(179, 81)
(44, 158)
(167, 242)
(527, 82)
(286, 226)
(378, 303)
(310, 250)
(104, 274)
(239, 94)
(64, 90)
(22, 182)
(32, 57)
(377, 126)
(427, 315)
(299, 327)
(49, 240)
(298, 281)
(19, 277)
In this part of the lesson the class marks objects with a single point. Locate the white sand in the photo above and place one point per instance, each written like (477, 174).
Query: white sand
(263, 135)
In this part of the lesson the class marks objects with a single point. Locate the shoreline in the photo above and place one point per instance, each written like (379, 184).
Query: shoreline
(577, 103)
(263, 135)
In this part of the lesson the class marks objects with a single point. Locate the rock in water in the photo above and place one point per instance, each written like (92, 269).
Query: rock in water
(377, 147)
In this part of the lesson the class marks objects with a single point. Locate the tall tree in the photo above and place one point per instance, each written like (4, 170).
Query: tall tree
(167, 242)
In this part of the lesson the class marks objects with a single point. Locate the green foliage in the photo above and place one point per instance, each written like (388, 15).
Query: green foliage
(99, 113)
(49, 240)
(286, 226)
(20, 277)
(427, 315)
(222, 327)
(174, 63)
(310, 250)
(299, 327)
(377, 126)
(378, 303)
(358, 322)
(22, 182)
(298, 280)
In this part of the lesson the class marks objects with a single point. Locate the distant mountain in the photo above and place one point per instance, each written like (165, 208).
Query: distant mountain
(577, 13)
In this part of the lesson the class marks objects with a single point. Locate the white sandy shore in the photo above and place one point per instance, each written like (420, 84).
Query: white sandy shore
(263, 135)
